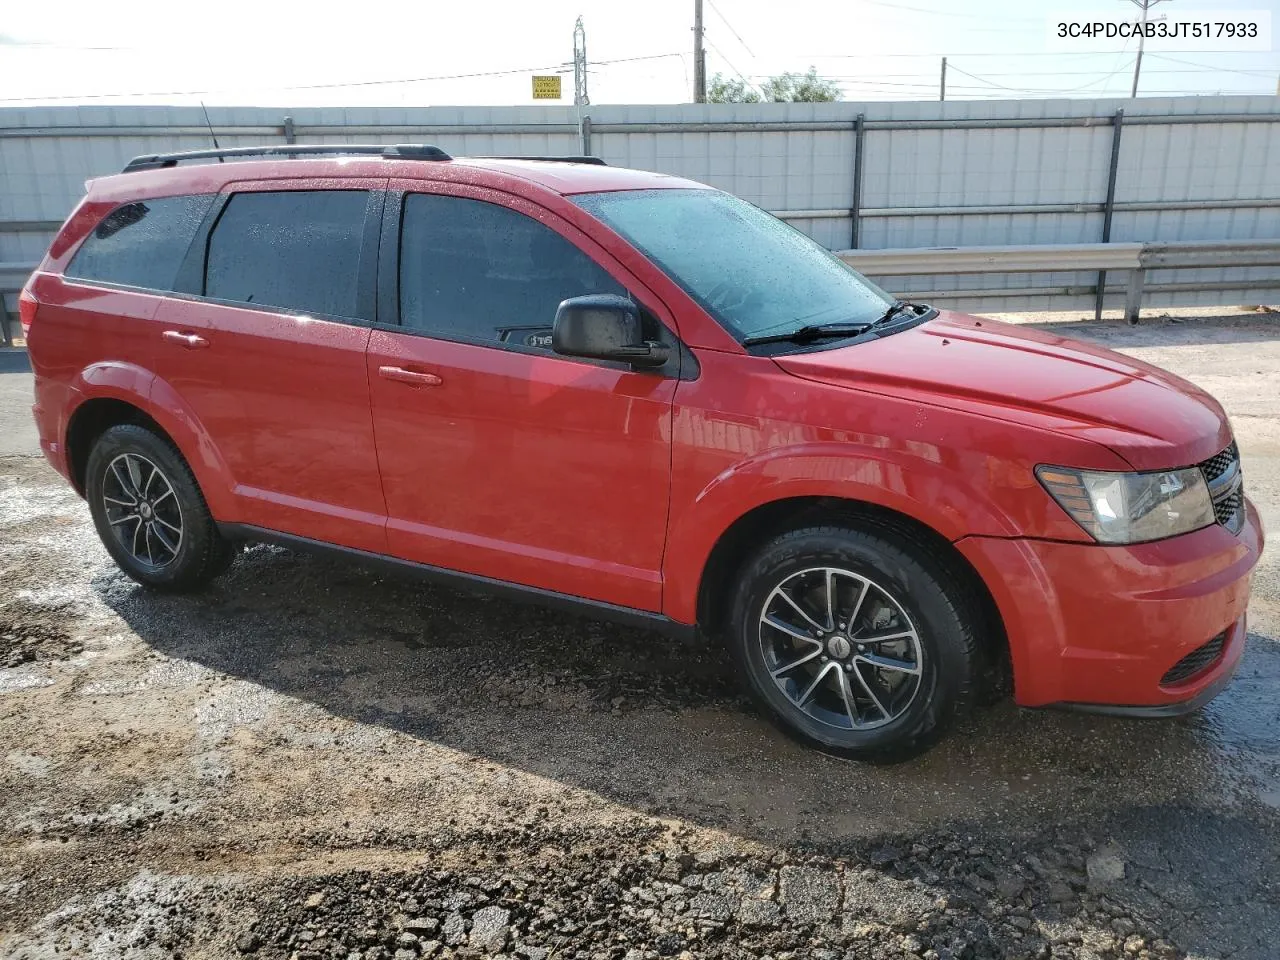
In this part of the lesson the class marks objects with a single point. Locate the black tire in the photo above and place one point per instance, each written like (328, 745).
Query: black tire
(929, 601)
(201, 553)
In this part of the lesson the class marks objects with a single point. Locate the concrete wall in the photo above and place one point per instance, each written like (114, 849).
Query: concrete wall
(1024, 172)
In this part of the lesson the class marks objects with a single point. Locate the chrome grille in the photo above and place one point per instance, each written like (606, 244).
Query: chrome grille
(1226, 487)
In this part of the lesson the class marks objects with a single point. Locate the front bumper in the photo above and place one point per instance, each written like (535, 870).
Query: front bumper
(1094, 626)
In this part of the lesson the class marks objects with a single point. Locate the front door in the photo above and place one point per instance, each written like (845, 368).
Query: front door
(269, 355)
(499, 457)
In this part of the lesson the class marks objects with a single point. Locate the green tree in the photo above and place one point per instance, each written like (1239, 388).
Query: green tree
(801, 88)
(724, 90)
(784, 88)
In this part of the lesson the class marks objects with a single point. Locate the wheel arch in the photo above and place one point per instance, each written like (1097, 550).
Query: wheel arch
(90, 420)
(768, 520)
(118, 393)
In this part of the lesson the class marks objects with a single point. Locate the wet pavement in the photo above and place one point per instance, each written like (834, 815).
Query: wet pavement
(312, 759)
(17, 428)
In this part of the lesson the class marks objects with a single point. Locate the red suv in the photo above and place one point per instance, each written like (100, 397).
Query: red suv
(648, 400)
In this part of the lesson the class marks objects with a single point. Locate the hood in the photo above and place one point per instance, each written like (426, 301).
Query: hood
(1151, 418)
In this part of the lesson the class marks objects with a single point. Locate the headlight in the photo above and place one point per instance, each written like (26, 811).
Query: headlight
(1131, 507)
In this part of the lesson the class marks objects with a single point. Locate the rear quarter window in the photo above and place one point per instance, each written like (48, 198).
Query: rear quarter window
(141, 244)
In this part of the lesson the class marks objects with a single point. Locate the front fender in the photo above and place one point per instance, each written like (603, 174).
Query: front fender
(911, 479)
(156, 398)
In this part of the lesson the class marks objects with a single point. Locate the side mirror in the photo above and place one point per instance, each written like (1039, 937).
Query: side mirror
(605, 327)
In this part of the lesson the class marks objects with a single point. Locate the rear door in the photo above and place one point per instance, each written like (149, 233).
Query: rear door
(499, 457)
(268, 352)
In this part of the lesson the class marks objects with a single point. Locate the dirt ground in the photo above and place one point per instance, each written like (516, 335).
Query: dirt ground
(310, 760)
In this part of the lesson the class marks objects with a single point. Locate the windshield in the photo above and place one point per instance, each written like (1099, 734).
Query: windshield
(752, 272)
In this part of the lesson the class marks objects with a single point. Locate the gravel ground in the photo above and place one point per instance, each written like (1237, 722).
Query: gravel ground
(310, 760)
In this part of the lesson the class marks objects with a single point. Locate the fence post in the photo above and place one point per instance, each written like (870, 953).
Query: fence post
(1117, 125)
(859, 140)
(288, 131)
(1133, 294)
(6, 338)
(584, 133)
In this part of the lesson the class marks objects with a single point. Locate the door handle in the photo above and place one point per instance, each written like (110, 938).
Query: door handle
(415, 378)
(192, 341)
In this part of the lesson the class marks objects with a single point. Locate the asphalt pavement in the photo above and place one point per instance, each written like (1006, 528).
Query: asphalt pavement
(17, 429)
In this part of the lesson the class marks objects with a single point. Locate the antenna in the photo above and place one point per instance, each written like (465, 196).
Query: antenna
(212, 136)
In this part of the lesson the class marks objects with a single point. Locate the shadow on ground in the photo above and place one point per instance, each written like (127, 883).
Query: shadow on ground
(658, 726)
(659, 723)
(14, 360)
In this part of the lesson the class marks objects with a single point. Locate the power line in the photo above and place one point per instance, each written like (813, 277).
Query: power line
(1001, 86)
(330, 86)
(945, 13)
(741, 76)
(1011, 73)
(1207, 68)
(1049, 95)
(725, 21)
(990, 53)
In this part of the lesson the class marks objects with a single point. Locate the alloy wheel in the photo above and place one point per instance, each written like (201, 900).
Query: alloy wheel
(841, 648)
(142, 510)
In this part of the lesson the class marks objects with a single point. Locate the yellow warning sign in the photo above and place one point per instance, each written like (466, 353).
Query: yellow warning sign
(546, 88)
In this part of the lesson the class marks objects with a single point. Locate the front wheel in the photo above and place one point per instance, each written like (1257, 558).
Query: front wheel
(854, 641)
(150, 513)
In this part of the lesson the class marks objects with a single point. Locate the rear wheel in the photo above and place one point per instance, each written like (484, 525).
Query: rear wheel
(854, 641)
(150, 513)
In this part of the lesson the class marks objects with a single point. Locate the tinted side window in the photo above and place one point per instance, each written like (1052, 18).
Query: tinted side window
(299, 250)
(141, 244)
(478, 271)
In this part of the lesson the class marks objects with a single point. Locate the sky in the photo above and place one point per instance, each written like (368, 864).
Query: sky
(428, 53)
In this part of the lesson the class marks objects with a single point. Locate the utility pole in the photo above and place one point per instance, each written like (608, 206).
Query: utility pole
(580, 97)
(699, 56)
(942, 90)
(1137, 64)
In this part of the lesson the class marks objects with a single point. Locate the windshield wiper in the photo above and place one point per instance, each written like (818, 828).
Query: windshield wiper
(810, 332)
(895, 308)
(818, 331)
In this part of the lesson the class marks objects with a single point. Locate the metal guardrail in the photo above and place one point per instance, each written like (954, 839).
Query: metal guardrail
(1135, 258)
(912, 261)
(12, 277)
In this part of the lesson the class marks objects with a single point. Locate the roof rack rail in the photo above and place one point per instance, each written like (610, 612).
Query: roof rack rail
(401, 151)
(594, 161)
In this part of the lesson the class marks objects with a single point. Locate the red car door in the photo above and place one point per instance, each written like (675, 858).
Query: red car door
(498, 457)
(269, 356)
